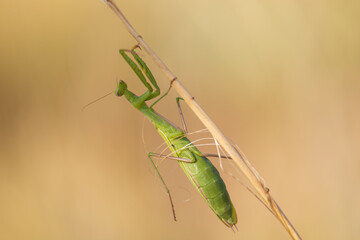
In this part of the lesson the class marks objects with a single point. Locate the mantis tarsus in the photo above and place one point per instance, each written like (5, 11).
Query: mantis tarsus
(200, 171)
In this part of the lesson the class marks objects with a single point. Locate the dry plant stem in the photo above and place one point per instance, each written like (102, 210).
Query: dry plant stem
(210, 125)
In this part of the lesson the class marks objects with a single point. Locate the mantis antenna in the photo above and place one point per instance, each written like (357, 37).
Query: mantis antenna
(96, 100)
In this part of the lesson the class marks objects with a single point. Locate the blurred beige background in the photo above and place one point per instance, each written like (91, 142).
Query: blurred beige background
(280, 78)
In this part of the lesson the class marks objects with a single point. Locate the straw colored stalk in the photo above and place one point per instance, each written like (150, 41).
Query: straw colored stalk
(262, 192)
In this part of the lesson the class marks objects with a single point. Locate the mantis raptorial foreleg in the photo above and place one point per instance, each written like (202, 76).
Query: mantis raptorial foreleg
(150, 94)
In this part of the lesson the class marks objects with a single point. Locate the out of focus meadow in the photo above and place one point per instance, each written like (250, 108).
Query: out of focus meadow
(280, 78)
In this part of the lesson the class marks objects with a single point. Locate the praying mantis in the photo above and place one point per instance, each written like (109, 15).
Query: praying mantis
(196, 165)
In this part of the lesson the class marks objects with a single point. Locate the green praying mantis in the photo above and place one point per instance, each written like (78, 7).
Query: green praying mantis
(196, 165)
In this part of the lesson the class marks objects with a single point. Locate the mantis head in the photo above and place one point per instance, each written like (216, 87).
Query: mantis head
(120, 89)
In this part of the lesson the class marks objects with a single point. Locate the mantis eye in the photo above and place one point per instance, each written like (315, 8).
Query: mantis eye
(120, 89)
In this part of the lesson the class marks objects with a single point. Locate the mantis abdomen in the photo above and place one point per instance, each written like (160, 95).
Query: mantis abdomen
(210, 185)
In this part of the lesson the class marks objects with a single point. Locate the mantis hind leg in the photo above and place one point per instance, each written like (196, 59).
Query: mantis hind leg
(163, 182)
(150, 155)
